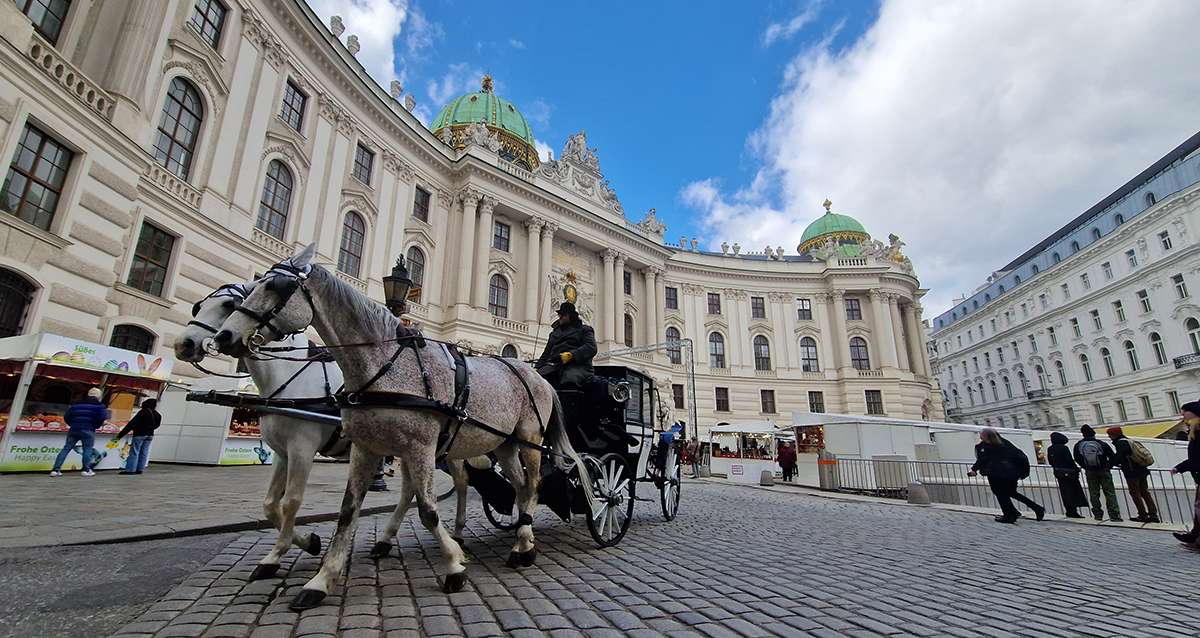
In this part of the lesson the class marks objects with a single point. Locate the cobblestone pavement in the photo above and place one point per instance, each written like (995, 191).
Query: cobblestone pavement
(738, 561)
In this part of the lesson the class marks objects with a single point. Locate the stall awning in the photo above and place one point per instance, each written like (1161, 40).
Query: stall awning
(1149, 430)
(747, 427)
(65, 352)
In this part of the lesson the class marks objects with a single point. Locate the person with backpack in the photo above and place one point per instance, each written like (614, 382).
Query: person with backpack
(1066, 472)
(1191, 417)
(1097, 460)
(1004, 465)
(1135, 460)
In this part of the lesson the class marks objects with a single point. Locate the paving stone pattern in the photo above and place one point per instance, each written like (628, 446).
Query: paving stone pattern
(737, 561)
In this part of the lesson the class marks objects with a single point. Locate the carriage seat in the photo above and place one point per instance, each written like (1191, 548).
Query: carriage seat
(595, 423)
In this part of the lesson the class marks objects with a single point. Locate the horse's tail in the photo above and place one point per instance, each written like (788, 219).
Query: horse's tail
(557, 438)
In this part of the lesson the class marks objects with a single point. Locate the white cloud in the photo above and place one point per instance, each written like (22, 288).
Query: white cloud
(459, 78)
(542, 148)
(515, 43)
(378, 24)
(783, 30)
(422, 34)
(537, 112)
(972, 130)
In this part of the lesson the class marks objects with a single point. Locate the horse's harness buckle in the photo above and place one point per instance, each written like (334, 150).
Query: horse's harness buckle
(353, 398)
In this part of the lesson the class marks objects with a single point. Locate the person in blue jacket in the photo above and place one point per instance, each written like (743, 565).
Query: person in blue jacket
(83, 418)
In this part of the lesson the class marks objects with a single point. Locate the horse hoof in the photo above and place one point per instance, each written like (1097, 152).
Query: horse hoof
(528, 558)
(314, 545)
(381, 550)
(454, 582)
(306, 599)
(264, 571)
(514, 560)
(459, 540)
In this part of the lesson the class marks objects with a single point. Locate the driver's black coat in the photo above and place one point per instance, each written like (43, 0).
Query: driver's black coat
(577, 338)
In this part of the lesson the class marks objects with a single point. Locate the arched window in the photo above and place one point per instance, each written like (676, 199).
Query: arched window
(808, 355)
(509, 352)
(1062, 373)
(354, 233)
(982, 396)
(1087, 367)
(628, 330)
(130, 337)
(957, 399)
(987, 297)
(674, 352)
(498, 296)
(1007, 387)
(716, 350)
(1106, 357)
(1041, 376)
(179, 127)
(276, 200)
(416, 272)
(974, 304)
(1074, 247)
(1017, 278)
(762, 353)
(1131, 354)
(1024, 383)
(1160, 351)
(1095, 234)
(1119, 219)
(971, 395)
(1150, 198)
(16, 294)
(995, 392)
(859, 357)
(1193, 332)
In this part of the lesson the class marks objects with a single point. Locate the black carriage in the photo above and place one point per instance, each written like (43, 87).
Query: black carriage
(611, 423)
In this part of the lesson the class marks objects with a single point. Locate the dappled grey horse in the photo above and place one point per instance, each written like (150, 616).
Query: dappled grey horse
(514, 402)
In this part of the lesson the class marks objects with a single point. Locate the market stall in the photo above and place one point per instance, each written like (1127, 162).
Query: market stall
(741, 451)
(41, 375)
(210, 434)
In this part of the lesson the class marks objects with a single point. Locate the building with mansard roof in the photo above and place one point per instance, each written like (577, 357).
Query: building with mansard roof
(159, 149)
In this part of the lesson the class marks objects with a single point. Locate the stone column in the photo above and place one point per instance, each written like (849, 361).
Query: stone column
(547, 267)
(483, 250)
(884, 342)
(648, 320)
(533, 230)
(894, 314)
(129, 60)
(841, 337)
(468, 200)
(618, 291)
(607, 331)
(916, 339)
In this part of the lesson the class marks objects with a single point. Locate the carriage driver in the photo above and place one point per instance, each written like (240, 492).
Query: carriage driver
(567, 359)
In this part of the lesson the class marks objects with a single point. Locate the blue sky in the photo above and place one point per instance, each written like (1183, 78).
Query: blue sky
(971, 128)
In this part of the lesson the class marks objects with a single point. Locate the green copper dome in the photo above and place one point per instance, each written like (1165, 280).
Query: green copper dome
(843, 228)
(495, 112)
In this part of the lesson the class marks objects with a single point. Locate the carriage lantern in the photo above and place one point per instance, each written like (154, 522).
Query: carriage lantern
(396, 287)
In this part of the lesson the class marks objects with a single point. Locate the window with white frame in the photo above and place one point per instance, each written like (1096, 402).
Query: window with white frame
(1106, 357)
(1033, 344)
(1164, 239)
(1066, 292)
(36, 177)
(1075, 328)
(816, 401)
(1131, 354)
(1180, 286)
(767, 399)
(1122, 414)
(501, 236)
(1173, 399)
(47, 16)
(804, 309)
(1053, 337)
(874, 402)
(1119, 310)
(1131, 257)
(1044, 300)
(1192, 326)
(1085, 282)
(1160, 350)
(294, 103)
(1096, 323)
(1144, 301)
(1087, 367)
(1108, 271)
(1062, 373)
(1147, 408)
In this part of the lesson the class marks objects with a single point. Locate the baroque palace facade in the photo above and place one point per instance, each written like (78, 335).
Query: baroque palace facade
(160, 148)
(1095, 324)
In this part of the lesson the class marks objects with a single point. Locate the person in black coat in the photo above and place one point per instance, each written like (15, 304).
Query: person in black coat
(1137, 477)
(1066, 472)
(567, 358)
(1191, 416)
(1003, 465)
(142, 425)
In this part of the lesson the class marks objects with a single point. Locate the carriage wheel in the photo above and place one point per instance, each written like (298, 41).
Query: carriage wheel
(612, 486)
(669, 485)
(500, 520)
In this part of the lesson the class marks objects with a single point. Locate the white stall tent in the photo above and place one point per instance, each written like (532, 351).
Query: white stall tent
(738, 467)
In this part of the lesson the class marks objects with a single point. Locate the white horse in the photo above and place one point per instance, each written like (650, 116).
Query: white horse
(294, 440)
(508, 398)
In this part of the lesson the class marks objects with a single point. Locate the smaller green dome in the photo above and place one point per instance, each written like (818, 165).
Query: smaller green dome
(842, 227)
(487, 107)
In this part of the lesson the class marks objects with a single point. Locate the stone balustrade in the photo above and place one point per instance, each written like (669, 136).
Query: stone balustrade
(70, 78)
(178, 189)
(510, 325)
(271, 244)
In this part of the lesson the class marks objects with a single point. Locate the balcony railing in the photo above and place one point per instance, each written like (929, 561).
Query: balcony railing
(175, 187)
(513, 169)
(272, 245)
(1037, 395)
(765, 374)
(510, 325)
(417, 310)
(353, 281)
(719, 372)
(870, 374)
(1187, 361)
(70, 78)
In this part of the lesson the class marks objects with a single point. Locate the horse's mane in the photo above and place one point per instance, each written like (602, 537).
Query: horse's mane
(356, 303)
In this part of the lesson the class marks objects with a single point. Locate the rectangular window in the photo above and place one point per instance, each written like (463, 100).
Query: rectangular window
(364, 161)
(874, 402)
(816, 401)
(804, 309)
(1144, 301)
(1121, 413)
(1180, 286)
(758, 308)
(987, 360)
(1000, 354)
(1099, 410)
(294, 102)
(1032, 344)
(151, 259)
(1044, 300)
(959, 341)
(993, 324)
(47, 16)
(1087, 283)
(1164, 240)
(767, 398)
(853, 310)
(1108, 271)
(421, 204)
(1016, 351)
(1147, 409)
(714, 303)
(501, 236)
(1131, 257)
(35, 179)
(1173, 399)
(970, 337)
(208, 18)
(677, 395)
(1075, 328)
(671, 294)
(627, 281)
(1070, 416)
(722, 399)
(975, 363)
(1096, 319)
(1053, 337)
(1066, 292)
(1024, 311)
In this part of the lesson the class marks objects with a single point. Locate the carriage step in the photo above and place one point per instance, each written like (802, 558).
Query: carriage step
(644, 500)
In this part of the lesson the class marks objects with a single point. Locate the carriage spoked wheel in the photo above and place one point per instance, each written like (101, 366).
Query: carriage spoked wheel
(669, 482)
(612, 486)
(500, 520)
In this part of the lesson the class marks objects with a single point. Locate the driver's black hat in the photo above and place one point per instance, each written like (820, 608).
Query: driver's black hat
(568, 308)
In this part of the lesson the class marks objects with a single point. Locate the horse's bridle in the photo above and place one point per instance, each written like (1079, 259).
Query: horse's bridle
(286, 270)
(235, 291)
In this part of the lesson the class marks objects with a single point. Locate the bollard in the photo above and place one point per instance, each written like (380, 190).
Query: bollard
(827, 472)
(704, 471)
(917, 494)
(766, 478)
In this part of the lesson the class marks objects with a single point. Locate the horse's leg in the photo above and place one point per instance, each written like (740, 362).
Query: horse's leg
(458, 472)
(419, 471)
(524, 549)
(383, 543)
(269, 564)
(508, 455)
(362, 469)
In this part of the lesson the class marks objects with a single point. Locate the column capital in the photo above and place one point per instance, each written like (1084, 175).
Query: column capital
(609, 256)
(548, 229)
(444, 198)
(779, 297)
(837, 294)
(469, 197)
(397, 165)
(487, 204)
(621, 257)
(658, 271)
(534, 224)
(878, 294)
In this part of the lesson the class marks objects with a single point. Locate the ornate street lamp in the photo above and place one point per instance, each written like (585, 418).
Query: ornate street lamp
(396, 287)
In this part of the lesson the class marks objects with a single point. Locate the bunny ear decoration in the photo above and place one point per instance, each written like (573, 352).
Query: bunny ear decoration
(154, 366)
(141, 361)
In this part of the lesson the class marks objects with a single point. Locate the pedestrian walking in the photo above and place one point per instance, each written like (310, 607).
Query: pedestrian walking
(142, 425)
(1097, 461)
(1003, 465)
(1191, 416)
(787, 461)
(1066, 472)
(82, 420)
(693, 453)
(1135, 460)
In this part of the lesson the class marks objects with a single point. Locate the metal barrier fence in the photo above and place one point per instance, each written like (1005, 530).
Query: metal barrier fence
(947, 482)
